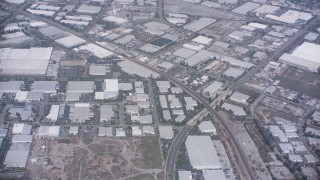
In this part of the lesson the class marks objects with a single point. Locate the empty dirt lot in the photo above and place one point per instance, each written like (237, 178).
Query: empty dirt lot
(98, 158)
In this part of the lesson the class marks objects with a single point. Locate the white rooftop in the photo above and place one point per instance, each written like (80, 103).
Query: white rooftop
(305, 56)
(16, 159)
(71, 41)
(33, 61)
(166, 132)
(207, 127)
(201, 152)
(213, 174)
(202, 40)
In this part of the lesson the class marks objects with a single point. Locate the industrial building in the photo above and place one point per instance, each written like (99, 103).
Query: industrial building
(33, 61)
(74, 130)
(105, 131)
(95, 50)
(45, 86)
(20, 128)
(201, 153)
(199, 24)
(120, 132)
(185, 175)
(111, 88)
(166, 132)
(202, 40)
(88, 9)
(16, 159)
(54, 113)
(136, 131)
(115, 19)
(214, 174)
(80, 112)
(278, 133)
(207, 127)
(236, 110)
(49, 131)
(305, 56)
(81, 86)
(233, 73)
(11, 86)
(240, 98)
(71, 41)
(148, 130)
(125, 86)
(22, 138)
(97, 70)
(106, 113)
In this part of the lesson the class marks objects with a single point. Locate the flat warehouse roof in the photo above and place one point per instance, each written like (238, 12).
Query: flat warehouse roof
(33, 61)
(71, 41)
(160, 42)
(245, 8)
(201, 152)
(199, 24)
(16, 159)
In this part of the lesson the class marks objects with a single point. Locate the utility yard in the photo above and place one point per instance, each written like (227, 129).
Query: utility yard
(96, 158)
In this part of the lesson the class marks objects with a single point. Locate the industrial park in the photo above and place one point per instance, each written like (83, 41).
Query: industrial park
(160, 89)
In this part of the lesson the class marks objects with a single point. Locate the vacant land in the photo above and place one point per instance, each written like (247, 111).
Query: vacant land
(309, 83)
(97, 158)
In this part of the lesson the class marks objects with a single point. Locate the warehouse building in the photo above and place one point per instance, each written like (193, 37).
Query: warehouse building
(278, 133)
(106, 113)
(136, 131)
(306, 56)
(120, 132)
(33, 61)
(236, 110)
(80, 112)
(201, 153)
(81, 86)
(115, 19)
(233, 73)
(166, 132)
(16, 159)
(148, 130)
(71, 41)
(54, 113)
(88, 9)
(74, 130)
(45, 86)
(199, 24)
(49, 131)
(20, 128)
(185, 175)
(202, 40)
(213, 174)
(97, 70)
(11, 86)
(95, 50)
(22, 138)
(111, 88)
(207, 127)
(240, 98)
(125, 86)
